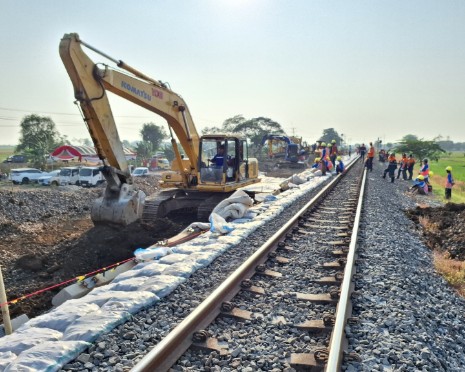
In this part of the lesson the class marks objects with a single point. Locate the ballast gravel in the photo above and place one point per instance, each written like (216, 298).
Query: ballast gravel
(409, 318)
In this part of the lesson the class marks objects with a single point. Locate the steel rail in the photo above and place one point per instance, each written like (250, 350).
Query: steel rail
(337, 336)
(173, 345)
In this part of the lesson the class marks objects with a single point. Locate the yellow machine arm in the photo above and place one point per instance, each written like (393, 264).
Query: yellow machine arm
(90, 85)
(120, 204)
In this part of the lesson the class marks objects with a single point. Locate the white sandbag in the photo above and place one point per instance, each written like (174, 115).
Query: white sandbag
(219, 225)
(47, 357)
(140, 300)
(90, 326)
(6, 358)
(61, 317)
(235, 206)
(154, 268)
(151, 253)
(296, 180)
(163, 285)
(172, 258)
(183, 269)
(205, 258)
(188, 249)
(26, 338)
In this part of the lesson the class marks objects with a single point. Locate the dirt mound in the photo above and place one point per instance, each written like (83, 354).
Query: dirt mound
(443, 227)
(47, 237)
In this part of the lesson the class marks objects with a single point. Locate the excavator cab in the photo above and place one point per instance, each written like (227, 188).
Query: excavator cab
(222, 160)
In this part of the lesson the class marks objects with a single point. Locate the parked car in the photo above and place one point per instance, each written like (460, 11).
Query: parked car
(16, 159)
(51, 179)
(140, 172)
(25, 175)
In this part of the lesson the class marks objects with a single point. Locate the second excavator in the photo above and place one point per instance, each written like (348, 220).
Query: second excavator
(196, 183)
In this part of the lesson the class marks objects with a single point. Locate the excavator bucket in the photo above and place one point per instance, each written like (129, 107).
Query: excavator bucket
(126, 207)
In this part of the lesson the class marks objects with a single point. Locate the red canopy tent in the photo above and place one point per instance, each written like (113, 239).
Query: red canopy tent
(80, 153)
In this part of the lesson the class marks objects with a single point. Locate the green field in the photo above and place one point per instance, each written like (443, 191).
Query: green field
(457, 161)
(6, 151)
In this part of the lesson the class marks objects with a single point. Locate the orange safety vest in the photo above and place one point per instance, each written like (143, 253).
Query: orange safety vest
(371, 152)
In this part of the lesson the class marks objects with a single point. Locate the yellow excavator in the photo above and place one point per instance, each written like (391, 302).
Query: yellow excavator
(197, 182)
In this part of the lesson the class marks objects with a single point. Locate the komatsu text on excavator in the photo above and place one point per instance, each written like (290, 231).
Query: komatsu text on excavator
(196, 184)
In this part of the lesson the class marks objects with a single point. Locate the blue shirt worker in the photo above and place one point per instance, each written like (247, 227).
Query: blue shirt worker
(218, 159)
(419, 185)
(449, 182)
(340, 165)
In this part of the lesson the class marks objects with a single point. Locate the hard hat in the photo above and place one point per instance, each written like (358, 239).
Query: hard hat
(323, 144)
(329, 145)
(421, 177)
(448, 168)
(339, 158)
(333, 141)
(431, 173)
(317, 159)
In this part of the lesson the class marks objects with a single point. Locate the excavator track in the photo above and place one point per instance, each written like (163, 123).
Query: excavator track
(198, 204)
(155, 206)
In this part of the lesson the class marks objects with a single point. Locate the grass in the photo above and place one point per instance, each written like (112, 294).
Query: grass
(457, 161)
(452, 270)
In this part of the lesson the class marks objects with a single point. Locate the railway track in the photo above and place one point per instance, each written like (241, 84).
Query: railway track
(286, 306)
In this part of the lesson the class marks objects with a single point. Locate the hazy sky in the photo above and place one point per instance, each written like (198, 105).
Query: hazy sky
(369, 69)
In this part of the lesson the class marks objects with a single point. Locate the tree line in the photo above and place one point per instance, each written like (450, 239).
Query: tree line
(39, 137)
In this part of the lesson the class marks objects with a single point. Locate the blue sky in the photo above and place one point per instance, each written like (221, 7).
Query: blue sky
(368, 69)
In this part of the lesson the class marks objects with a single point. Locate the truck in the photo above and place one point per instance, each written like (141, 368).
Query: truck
(90, 176)
(188, 186)
(68, 176)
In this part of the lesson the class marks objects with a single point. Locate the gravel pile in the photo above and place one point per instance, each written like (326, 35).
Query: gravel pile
(410, 320)
(32, 205)
(19, 205)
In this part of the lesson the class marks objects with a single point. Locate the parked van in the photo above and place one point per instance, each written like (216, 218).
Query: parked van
(69, 176)
(90, 176)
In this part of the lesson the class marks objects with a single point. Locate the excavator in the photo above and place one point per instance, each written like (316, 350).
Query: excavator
(194, 185)
(283, 154)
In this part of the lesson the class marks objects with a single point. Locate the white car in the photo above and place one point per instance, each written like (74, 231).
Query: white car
(25, 175)
(51, 179)
(140, 171)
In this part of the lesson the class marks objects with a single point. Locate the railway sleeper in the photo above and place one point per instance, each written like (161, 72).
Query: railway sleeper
(320, 298)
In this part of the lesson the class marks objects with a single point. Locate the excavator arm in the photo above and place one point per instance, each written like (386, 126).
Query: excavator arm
(120, 204)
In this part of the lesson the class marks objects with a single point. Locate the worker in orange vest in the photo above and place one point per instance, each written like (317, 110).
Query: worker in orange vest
(391, 168)
(370, 157)
(410, 165)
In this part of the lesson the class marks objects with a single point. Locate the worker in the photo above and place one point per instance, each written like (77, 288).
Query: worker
(362, 149)
(370, 157)
(324, 154)
(391, 168)
(419, 186)
(410, 165)
(333, 151)
(339, 165)
(382, 155)
(449, 182)
(403, 164)
(424, 170)
(218, 159)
